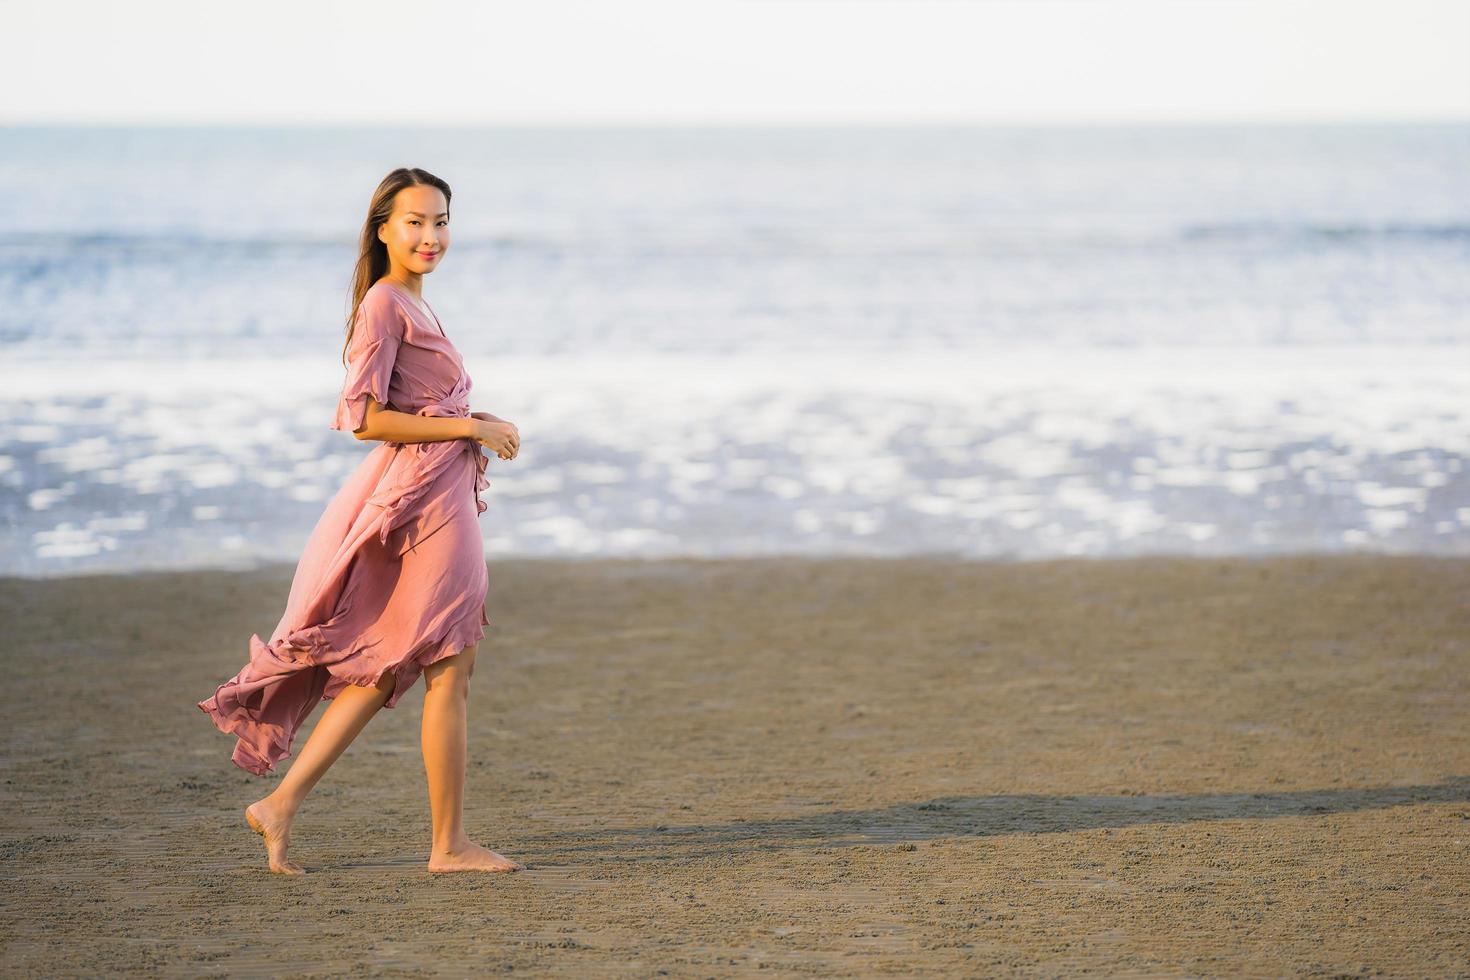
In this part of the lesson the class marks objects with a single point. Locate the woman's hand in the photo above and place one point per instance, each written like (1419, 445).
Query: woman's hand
(496, 434)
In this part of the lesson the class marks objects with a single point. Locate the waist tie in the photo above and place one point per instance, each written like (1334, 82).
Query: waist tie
(425, 461)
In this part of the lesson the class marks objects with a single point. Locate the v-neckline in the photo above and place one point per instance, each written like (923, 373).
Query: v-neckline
(427, 309)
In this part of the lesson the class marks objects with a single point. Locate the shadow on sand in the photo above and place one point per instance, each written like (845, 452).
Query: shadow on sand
(978, 816)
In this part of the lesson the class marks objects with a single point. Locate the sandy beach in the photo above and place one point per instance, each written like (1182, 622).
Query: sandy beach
(1171, 767)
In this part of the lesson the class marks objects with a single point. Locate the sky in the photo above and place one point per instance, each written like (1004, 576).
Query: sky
(366, 62)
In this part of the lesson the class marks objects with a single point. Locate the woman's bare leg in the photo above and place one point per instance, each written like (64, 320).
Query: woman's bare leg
(448, 688)
(346, 716)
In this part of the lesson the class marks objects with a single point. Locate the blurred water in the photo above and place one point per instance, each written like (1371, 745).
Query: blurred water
(986, 342)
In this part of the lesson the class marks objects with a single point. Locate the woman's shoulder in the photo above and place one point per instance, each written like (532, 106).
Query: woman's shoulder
(380, 306)
(380, 293)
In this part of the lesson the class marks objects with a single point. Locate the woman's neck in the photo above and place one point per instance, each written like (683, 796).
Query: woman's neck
(414, 287)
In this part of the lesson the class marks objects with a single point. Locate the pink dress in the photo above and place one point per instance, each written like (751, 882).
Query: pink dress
(393, 576)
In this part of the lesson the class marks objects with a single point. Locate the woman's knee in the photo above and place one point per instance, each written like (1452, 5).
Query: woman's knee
(452, 672)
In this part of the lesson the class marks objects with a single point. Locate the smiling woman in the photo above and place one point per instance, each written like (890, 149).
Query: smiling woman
(392, 582)
(405, 236)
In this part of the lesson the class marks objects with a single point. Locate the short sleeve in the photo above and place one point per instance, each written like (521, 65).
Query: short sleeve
(376, 333)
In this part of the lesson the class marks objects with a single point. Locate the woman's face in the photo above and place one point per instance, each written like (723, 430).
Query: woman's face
(417, 232)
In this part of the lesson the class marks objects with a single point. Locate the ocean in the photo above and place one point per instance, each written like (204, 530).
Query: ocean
(983, 342)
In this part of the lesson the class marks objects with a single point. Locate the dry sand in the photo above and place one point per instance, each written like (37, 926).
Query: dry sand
(1172, 767)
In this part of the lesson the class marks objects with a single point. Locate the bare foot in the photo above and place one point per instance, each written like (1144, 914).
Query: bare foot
(472, 857)
(277, 833)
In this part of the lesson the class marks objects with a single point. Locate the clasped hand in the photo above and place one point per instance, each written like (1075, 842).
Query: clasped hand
(496, 434)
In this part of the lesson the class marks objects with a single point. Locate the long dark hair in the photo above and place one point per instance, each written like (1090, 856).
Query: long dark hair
(372, 254)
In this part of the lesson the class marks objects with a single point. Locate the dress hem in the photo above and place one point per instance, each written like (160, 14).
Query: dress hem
(248, 753)
(449, 643)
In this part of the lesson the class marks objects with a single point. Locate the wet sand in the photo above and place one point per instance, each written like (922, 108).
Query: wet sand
(833, 768)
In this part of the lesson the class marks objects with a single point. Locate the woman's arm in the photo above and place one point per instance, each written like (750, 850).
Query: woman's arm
(390, 426)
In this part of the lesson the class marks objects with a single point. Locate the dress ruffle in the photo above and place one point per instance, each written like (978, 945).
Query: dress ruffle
(369, 373)
(378, 331)
(260, 743)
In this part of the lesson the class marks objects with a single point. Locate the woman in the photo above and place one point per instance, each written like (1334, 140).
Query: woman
(392, 581)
